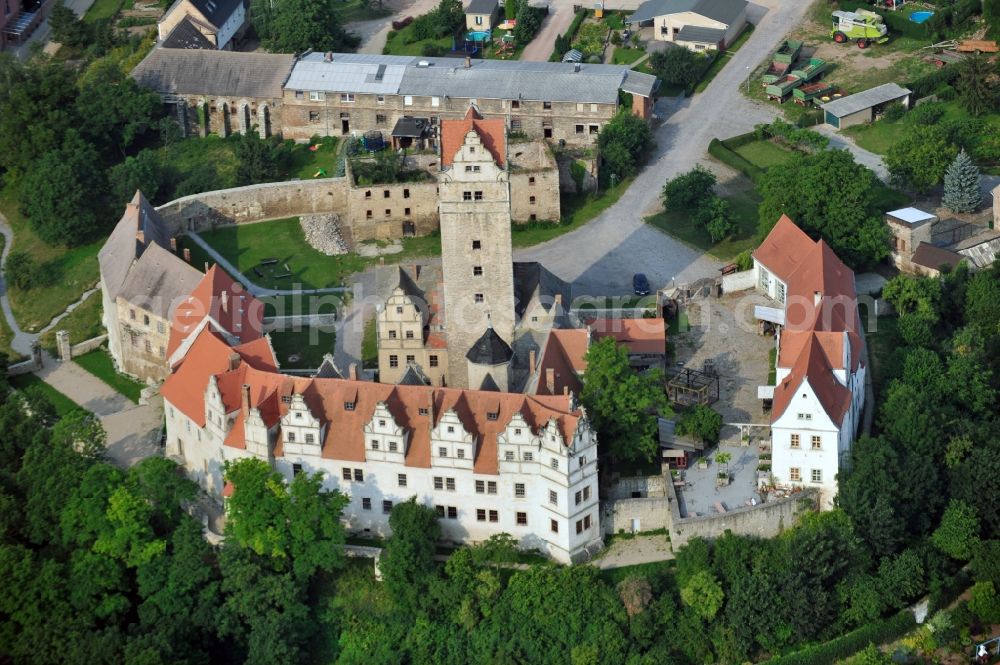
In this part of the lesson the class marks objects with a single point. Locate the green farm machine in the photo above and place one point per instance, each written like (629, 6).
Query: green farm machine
(862, 27)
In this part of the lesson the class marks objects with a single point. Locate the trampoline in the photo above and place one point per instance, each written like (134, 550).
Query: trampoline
(920, 17)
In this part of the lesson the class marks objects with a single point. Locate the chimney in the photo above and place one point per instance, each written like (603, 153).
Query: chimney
(245, 403)
(817, 297)
(557, 300)
(187, 255)
(468, 62)
(328, 56)
(566, 390)
(550, 380)
(173, 245)
(140, 235)
(234, 360)
(206, 266)
(576, 66)
(532, 358)
(352, 371)
(225, 301)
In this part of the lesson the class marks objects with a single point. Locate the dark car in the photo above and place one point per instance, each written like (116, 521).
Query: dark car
(640, 284)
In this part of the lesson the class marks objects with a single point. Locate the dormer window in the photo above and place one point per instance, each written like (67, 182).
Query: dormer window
(298, 415)
(348, 406)
(517, 431)
(492, 415)
(286, 399)
(423, 411)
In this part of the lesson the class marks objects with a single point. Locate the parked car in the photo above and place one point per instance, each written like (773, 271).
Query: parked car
(640, 284)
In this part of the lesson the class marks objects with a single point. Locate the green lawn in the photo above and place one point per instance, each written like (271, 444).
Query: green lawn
(764, 154)
(99, 363)
(303, 349)
(70, 271)
(880, 136)
(772, 362)
(403, 42)
(306, 163)
(680, 225)
(102, 9)
(577, 210)
(359, 10)
(369, 346)
(82, 323)
(725, 57)
(625, 55)
(615, 20)
(62, 404)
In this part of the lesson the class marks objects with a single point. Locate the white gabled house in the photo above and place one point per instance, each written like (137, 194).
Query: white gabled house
(819, 392)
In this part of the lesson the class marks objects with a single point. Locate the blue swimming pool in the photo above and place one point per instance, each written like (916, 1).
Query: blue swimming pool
(478, 36)
(920, 17)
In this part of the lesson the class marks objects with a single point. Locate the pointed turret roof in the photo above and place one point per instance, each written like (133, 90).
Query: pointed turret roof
(490, 349)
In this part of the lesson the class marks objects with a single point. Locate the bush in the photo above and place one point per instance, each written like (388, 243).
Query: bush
(623, 143)
(926, 114)
(851, 643)
(431, 49)
(687, 190)
(928, 83)
(21, 269)
(678, 66)
(702, 422)
(744, 260)
(894, 112)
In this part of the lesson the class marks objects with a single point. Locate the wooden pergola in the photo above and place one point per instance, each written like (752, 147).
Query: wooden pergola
(690, 386)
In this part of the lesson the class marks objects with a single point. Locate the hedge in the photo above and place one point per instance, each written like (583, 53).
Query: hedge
(927, 84)
(949, 590)
(849, 644)
(724, 154)
(570, 33)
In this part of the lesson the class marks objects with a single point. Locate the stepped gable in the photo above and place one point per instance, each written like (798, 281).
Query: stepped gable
(493, 134)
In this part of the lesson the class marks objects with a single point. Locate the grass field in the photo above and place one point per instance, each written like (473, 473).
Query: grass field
(404, 43)
(70, 271)
(82, 323)
(99, 363)
(62, 404)
(764, 154)
(369, 346)
(882, 135)
(577, 210)
(102, 9)
(680, 225)
(625, 55)
(303, 349)
(724, 58)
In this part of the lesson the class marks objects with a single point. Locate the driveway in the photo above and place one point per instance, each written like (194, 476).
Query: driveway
(374, 33)
(601, 257)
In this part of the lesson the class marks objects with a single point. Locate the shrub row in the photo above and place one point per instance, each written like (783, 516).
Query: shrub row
(567, 38)
(847, 645)
(927, 84)
(726, 155)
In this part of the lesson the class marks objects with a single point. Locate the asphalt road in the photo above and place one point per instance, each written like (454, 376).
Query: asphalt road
(601, 257)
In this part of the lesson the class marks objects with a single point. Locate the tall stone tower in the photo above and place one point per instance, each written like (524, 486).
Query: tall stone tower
(476, 256)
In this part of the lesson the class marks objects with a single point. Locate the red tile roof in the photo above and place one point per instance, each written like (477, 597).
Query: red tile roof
(209, 356)
(493, 134)
(640, 336)
(784, 248)
(812, 366)
(563, 353)
(225, 300)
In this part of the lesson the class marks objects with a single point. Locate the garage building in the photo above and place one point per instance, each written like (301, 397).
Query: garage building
(864, 106)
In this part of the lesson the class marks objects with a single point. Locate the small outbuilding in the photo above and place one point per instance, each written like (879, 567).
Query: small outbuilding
(481, 15)
(909, 227)
(698, 25)
(864, 106)
(411, 132)
(929, 260)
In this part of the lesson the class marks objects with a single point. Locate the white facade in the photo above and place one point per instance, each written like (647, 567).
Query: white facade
(545, 493)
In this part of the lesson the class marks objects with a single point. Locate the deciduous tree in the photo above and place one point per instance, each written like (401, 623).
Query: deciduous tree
(920, 158)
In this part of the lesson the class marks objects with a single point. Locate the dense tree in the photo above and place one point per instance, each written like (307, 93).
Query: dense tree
(294, 26)
(829, 196)
(921, 157)
(976, 84)
(294, 526)
(961, 185)
(407, 562)
(623, 142)
(21, 269)
(689, 189)
(66, 205)
(66, 28)
(703, 594)
(675, 66)
(622, 404)
(258, 160)
(142, 172)
(958, 534)
(716, 216)
(702, 422)
(114, 110)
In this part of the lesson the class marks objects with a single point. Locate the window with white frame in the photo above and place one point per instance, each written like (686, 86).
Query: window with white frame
(347, 97)
(519, 490)
(408, 100)
(794, 474)
(553, 498)
(817, 475)
(317, 96)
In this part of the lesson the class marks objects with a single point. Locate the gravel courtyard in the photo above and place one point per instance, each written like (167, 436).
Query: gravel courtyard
(723, 331)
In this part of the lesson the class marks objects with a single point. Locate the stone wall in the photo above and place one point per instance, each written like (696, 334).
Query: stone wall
(534, 183)
(645, 486)
(737, 281)
(69, 351)
(634, 515)
(765, 520)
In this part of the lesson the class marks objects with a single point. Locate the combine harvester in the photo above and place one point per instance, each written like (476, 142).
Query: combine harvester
(862, 27)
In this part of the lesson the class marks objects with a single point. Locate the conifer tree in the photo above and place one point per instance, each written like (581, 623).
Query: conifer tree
(961, 185)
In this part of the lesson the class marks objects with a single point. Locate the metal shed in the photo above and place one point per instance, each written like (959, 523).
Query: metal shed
(863, 106)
